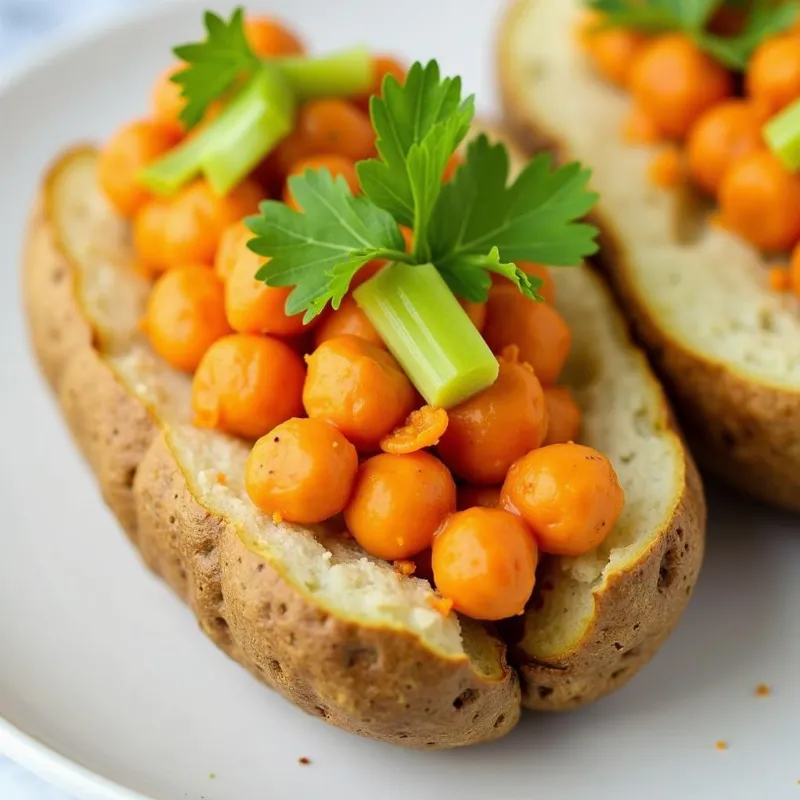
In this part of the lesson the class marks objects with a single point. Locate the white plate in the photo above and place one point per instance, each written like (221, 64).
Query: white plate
(105, 681)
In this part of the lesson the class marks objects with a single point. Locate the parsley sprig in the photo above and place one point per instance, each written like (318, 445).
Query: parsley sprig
(258, 98)
(213, 65)
(476, 225)
(764, 18)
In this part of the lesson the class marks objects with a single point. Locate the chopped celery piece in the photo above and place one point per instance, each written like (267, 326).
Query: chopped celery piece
(782, 134)
(428, 332)
(257, 118)
(344, 74)
(178, 167)
(249, 127)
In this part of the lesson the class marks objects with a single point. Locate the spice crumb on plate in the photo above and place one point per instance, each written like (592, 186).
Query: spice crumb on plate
(721, 745)
(304, 761)
(763, 690)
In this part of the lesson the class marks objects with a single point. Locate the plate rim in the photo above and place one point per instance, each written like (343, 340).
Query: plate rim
(43, 760)
(57, 769)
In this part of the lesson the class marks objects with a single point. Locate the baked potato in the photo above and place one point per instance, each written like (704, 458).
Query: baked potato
(724, 344)
(341, 634)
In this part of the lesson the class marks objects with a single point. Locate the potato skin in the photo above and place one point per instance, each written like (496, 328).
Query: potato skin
(375, 682)
(371, 681)
(740, 430)
(634, 614)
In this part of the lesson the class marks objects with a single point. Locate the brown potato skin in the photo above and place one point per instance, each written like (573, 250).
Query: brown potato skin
(375, 682)
(740, 430)
(633, 616)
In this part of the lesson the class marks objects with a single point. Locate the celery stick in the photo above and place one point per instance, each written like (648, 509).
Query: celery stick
(178, 167)
(257, 118)
(246, 131)
(782, 134)
(428, 332)
(346, 74)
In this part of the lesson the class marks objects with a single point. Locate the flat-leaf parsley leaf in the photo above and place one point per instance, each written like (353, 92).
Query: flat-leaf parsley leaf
(319, 251)
(476, 225)
(213, 65)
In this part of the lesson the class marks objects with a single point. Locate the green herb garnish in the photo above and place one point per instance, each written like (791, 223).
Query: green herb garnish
(764, 18)
(465, 230)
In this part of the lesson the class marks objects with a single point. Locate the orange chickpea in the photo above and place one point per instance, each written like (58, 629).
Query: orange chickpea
(189, 226)
(674, 82)
(564, 415)
(484, 560)
(369, 270)
(398, 503)
(358, 387)
(125, 155)
(149, 225)
(347, 320)
(773, 75)
(233, 238)
(476, 312)
(185, 315)
(471, 495)
(303, 470)
(269, 38)
(247, 385)
(613, 52)
(254, 307)
(543, 337)
(760, 201)
(327, 125)
(166, 101)
(382, 65)
(569, 495)
(490, 431)
(724, 134)
(336, 165)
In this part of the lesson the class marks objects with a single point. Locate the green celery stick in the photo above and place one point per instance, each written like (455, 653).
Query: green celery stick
(428, 332)
(178, 167)
(345, 74)
(782, 135)
(260, 115)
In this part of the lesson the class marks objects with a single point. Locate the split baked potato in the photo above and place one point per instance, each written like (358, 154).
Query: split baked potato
(341, 634)
(726, 346)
